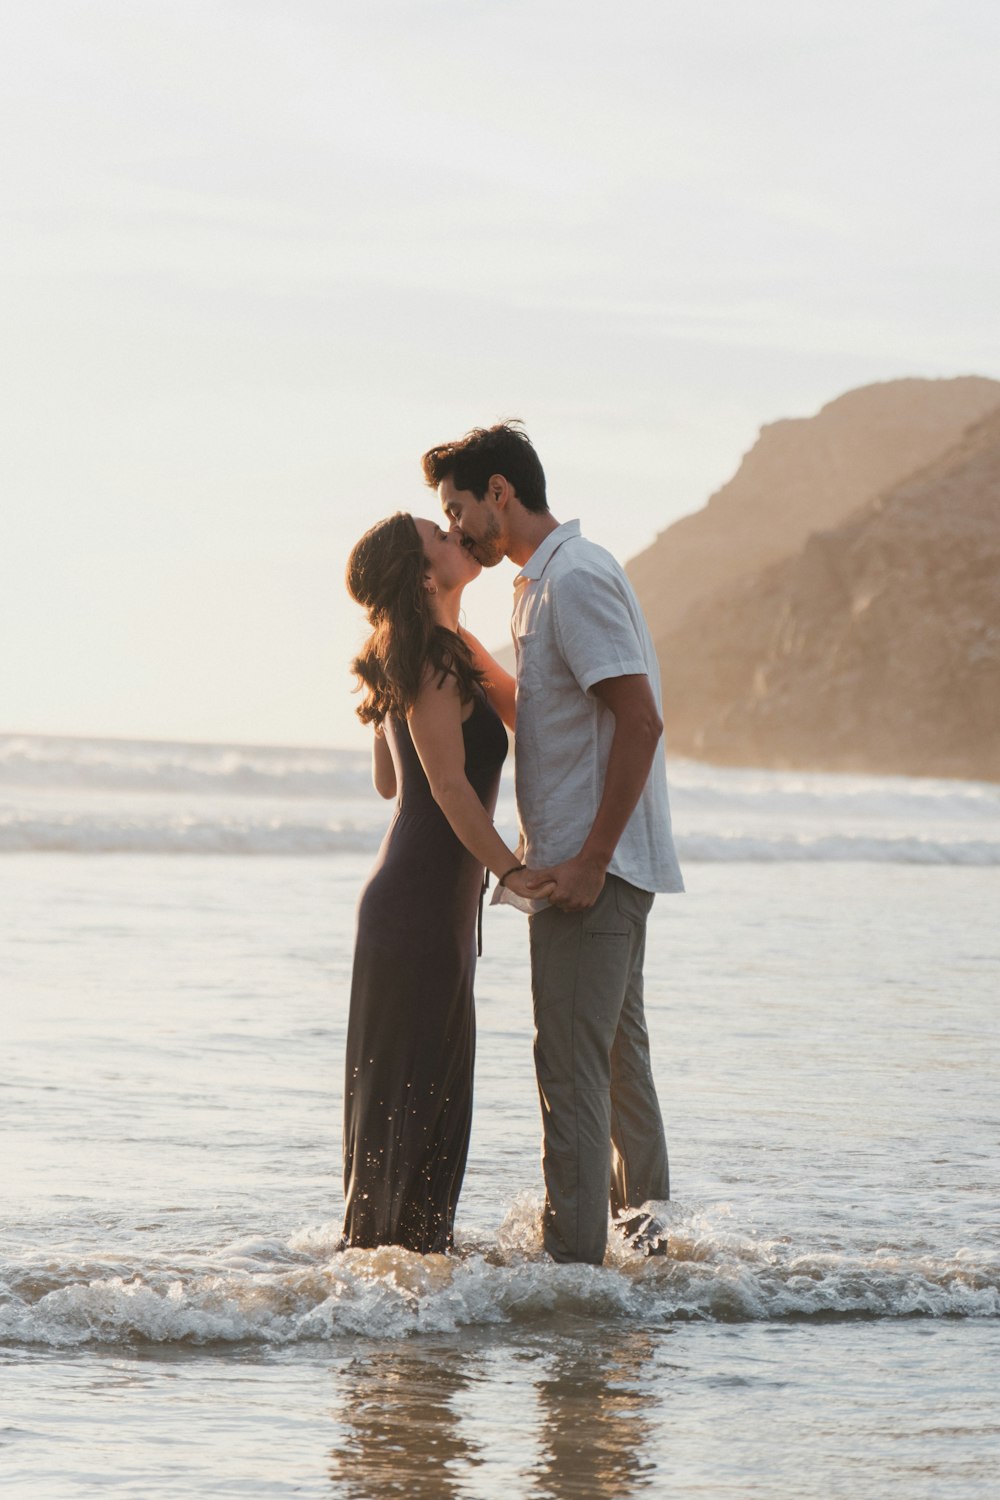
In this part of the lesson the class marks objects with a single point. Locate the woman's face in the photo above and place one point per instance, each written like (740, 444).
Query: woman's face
(450, 566)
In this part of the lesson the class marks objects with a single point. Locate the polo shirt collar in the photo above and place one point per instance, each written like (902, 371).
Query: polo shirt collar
(546, 550)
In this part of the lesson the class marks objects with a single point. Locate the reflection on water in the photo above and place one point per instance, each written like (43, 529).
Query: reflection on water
(402, 1431)
(578, 1411)
(595, 1407)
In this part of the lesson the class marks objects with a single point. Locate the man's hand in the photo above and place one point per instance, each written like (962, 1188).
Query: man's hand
(580, 880)
(533, 885)
(577, 882)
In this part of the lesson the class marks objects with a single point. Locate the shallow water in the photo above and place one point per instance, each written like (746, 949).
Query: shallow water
(173, 1316)
(597, 1410)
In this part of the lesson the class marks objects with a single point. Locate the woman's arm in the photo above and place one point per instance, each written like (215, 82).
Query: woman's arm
(500, 684)
(436, 730)
(383, 770)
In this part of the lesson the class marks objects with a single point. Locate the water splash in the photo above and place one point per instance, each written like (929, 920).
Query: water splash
(303, 1289)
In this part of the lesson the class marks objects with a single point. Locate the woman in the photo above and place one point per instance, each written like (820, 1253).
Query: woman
(439, 747)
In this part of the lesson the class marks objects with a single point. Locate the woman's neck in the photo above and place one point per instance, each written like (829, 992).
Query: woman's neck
(446, 609)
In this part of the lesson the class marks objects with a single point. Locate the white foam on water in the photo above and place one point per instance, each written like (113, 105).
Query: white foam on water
(733, 788)
(304, 1289)
(862, 848)
(50, 762)
(150, 797)
(128, 831)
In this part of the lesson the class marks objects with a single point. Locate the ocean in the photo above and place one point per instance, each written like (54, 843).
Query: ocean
(174, 1320)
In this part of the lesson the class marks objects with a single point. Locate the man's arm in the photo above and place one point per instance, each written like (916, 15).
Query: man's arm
(500, 684)
(638, 728)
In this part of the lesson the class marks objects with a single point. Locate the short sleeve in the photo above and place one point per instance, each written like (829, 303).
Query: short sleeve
(595, 630)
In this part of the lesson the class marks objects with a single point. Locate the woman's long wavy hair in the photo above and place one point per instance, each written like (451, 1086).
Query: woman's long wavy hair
(386, 575)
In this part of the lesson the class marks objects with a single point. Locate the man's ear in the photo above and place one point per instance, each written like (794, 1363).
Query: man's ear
(500, 490)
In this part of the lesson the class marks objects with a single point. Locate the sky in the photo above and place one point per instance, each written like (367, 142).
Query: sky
(256, 258)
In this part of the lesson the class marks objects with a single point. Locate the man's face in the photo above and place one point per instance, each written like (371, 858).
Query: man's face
(479, 521)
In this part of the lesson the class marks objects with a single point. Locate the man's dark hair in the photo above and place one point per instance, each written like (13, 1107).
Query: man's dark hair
(504, 449)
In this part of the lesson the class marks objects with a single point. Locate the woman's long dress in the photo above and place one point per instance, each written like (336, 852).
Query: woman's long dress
(411, 1033)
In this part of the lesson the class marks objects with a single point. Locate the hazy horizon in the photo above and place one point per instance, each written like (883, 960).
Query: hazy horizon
(257, 262)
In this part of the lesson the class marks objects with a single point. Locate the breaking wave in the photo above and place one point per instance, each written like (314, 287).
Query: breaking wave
(135, 831)
(894, 849)
(151, 797)
(42, 762)
(303, 1289)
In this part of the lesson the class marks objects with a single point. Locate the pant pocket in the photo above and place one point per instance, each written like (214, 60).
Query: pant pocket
(606, 919)
(632, 904)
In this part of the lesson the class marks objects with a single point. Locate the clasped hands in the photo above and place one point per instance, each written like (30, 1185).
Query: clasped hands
(573, 885)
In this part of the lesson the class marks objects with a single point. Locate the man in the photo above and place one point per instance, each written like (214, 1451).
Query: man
(592, 803)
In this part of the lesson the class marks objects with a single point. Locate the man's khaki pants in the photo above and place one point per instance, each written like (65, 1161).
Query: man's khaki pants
(602, 1134)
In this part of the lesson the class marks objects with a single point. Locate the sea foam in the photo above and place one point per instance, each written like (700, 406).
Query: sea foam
(46, 762)
(304, 1289)
(148, 797)
(287, 832)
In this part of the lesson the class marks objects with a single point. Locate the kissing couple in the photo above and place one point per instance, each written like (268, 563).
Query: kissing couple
(595, 845)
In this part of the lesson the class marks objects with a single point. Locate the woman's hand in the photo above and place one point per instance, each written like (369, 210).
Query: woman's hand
(525, 883)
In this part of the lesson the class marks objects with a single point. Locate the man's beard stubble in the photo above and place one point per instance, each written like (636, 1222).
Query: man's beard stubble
(488, 549)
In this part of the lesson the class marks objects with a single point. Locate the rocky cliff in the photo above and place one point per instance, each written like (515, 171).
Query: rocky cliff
(802, 476)
(875, 645)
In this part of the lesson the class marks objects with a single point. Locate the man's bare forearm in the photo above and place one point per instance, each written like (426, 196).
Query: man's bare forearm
(629, 760)
(638, 727)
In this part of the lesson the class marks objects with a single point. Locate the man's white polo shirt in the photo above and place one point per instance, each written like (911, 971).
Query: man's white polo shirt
(577, 621)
